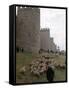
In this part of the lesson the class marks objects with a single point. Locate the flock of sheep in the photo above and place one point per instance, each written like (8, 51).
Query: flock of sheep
(41, 64)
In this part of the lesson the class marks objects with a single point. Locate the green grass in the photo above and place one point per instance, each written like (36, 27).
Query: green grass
(24, 59)
(59, 75)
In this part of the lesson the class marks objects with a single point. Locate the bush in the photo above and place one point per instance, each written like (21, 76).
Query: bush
(17, 49)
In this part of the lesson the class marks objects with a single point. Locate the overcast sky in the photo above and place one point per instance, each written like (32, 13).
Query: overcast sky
(55, 20)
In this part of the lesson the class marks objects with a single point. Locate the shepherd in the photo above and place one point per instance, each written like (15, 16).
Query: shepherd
(50, 74)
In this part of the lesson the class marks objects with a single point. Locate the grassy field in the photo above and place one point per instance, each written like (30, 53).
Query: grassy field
(24, 59)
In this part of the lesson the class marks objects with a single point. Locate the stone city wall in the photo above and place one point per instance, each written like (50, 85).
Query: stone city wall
(28, 29)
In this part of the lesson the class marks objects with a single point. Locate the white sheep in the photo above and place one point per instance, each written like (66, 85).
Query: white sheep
(22, 70)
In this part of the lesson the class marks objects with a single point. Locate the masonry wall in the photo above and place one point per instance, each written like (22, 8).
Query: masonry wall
(28, 29)
(52, 45)
(45, 39)
(46, 42)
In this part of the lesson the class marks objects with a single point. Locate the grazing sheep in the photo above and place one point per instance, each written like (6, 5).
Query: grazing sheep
(62, 66)
(45, 57)
(22, 70)
(35, 71)
(40, 66)
(43, 68)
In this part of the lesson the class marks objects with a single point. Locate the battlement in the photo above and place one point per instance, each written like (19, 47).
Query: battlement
(27, 10)
(44, 30)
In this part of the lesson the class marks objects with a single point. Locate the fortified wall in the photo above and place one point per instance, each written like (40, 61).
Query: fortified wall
(28, 33)
(28, 29)
(47, 42)
(52, 45)
(45, 39)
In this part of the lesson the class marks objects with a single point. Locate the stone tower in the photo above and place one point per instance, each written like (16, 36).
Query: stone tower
(52, 45)
(45, 39)
(28, 29)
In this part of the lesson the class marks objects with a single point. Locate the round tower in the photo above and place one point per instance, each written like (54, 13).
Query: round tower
(28, 29)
